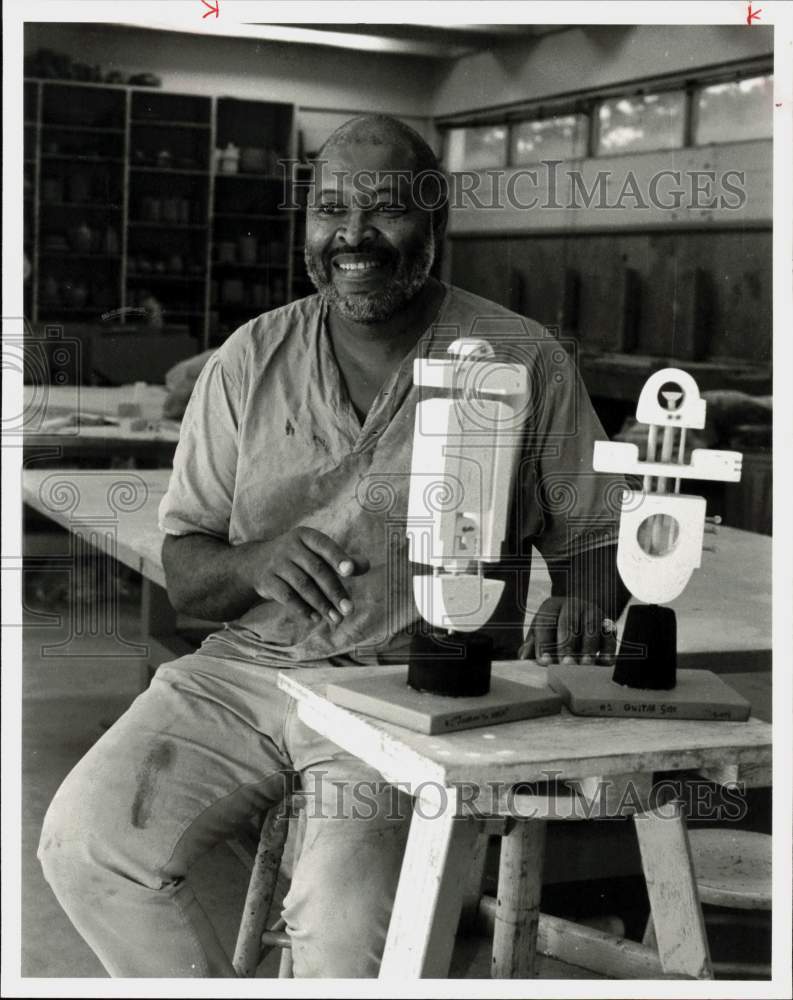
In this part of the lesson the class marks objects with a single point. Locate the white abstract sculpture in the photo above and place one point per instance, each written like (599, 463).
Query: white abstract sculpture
(661, 532)
(659, 547)
(464, 451)
(465, 447)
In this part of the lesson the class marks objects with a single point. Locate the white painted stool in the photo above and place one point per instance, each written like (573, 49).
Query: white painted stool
(254, 938)
(732, 868)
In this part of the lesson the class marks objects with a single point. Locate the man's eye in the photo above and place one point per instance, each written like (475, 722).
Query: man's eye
(390, 208)
(329, 209)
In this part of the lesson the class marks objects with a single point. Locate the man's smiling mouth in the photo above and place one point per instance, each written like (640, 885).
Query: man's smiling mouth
(353, 264)
(362, 266)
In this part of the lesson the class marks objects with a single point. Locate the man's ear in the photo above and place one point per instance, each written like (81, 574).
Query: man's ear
(440, 215)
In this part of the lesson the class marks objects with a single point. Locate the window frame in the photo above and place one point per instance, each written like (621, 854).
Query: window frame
(589, 103)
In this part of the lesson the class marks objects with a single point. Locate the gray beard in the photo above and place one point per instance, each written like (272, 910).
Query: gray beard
(376, 307)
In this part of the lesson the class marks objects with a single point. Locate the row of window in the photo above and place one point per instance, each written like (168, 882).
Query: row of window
(720, 112)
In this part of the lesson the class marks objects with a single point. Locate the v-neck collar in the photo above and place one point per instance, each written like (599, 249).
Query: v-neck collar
(390, 395)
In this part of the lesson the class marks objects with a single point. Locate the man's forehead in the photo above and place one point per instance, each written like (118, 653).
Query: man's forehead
(385, 161)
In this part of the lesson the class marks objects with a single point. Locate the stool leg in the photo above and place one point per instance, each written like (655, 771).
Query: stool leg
(429, 896)
(675, 908)
(286, 965)
(469, 914)
(261, 889)
(649, 935)
(518, 901)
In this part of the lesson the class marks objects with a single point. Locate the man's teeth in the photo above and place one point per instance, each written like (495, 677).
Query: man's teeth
(360, 266)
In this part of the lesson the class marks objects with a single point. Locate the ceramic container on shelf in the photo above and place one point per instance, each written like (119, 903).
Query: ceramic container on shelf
(112, 242)
(76, 294)
(260, 296)
(51, 189)
(278, 296)
(229, 159)
(253, 160)
(248, 247)
(150, 209)
(227, 252)
(81, 238)
(49, 291)
(232, 292)
(170, 210)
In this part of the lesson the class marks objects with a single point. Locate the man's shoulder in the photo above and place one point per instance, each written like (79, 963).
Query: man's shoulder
(257, 341)
(475, 316)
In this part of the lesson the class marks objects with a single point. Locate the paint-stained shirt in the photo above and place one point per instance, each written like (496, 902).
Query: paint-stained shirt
(270, 441)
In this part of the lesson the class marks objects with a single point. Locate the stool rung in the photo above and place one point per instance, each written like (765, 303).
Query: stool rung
(276, 939)
(760, 970)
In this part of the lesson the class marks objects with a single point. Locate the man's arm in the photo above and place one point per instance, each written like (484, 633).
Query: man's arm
(210, 579)
(576, 621)
(591, 576)
(205, 577)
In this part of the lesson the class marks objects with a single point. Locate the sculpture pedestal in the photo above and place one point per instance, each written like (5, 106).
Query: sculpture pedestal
(698, 694)
(384, 694)
(647, 655)
(454, 664)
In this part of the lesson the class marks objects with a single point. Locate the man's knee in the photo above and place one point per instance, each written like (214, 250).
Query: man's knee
(81, 830)
(339, 905)
(63, 845)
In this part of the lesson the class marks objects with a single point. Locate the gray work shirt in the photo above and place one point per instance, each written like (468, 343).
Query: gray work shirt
(270, 441)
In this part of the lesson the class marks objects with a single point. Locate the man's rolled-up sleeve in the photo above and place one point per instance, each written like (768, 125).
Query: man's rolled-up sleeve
(201, 489)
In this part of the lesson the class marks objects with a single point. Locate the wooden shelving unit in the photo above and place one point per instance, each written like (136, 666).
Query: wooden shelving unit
(128, 197)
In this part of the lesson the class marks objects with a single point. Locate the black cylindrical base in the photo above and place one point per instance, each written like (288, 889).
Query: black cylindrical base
(457, 665)
(648, 652)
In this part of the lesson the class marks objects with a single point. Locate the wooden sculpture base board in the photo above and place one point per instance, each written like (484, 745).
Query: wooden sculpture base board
(386, 696)
(700, 694)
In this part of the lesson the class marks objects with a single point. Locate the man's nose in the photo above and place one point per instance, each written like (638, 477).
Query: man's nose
(357, 228)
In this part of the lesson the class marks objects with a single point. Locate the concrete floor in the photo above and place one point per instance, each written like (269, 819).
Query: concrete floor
(68, 702)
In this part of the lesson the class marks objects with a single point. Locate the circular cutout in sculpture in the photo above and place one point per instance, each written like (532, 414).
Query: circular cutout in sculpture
(658, 534)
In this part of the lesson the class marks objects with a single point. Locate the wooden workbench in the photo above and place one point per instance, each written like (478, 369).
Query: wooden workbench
(62, 425)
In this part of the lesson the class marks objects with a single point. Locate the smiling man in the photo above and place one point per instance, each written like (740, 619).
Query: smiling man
(285, 519)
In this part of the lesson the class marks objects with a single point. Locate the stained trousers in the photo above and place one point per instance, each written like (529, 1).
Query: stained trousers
(211, 744)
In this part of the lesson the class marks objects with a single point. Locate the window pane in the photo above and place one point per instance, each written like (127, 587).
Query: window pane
(727, 112)
(476, 148)
(561, 138)
(647, 121)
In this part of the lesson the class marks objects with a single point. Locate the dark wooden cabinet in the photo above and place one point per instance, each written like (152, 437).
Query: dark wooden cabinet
(144, 206)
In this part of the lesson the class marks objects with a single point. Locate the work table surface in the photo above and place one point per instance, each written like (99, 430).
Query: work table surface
(564, 745)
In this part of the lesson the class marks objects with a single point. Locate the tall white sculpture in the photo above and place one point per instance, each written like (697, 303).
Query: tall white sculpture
(464, 450)
(465, 445)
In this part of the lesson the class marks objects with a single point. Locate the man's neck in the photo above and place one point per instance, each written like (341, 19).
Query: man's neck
(372, 345)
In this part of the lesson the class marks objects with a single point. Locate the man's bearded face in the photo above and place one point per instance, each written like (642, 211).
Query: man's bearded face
(369, 248)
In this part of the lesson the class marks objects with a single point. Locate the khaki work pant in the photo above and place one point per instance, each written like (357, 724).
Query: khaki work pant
(211, 744)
